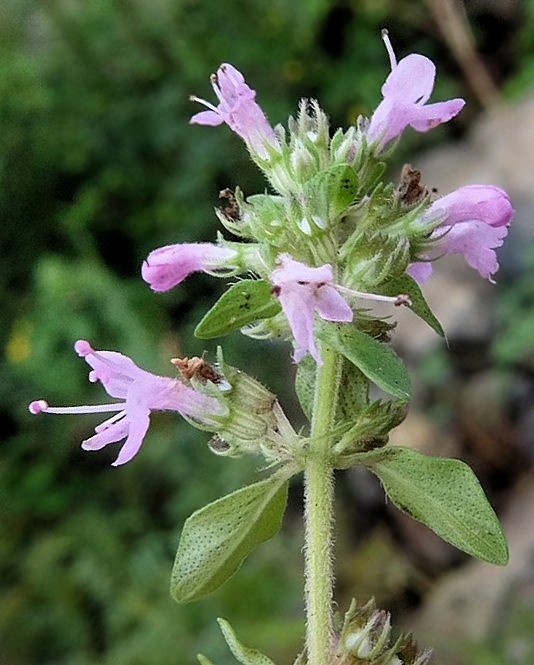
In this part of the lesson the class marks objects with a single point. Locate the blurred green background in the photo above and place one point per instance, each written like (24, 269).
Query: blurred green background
(98, 166)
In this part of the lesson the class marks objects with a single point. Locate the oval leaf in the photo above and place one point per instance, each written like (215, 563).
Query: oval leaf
(247, 301)
(216, 538)
(445, 495)
(376, 360)
(405, 284)
(245, 655)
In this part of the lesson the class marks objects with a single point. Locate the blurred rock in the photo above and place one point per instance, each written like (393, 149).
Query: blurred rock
(468, 604)
(499, 150)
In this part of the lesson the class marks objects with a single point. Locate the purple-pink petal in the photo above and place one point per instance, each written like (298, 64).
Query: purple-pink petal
(412, 80)
(136, 433)
(420, 271)
(331, 305)
(141, 392)
(302, 289)
(486, 203)
(474, 222)
(291, 271)
(209, 118)
(167, 266)
(424, 118)
(238, 109)
(114, 370)
(405, 93)
(476, 240)
(298, 308)
(103, 437)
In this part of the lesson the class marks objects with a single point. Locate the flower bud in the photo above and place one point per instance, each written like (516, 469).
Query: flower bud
(366, 636)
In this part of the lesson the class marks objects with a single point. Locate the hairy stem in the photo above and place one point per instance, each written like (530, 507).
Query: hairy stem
(319, 519)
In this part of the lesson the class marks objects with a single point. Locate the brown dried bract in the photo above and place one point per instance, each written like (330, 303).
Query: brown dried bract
(410, 189)
(230, 207)
(196, 367)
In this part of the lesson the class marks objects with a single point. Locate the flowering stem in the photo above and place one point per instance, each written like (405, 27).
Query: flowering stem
(319, 519)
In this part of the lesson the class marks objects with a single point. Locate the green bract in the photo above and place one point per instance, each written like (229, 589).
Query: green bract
(245, 655)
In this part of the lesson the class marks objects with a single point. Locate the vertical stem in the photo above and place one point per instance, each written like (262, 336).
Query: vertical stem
(319, 519)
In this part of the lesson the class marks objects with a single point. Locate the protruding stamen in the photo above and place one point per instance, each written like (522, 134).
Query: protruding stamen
(215, 85)
(41, 406)
(389, 48)
(194, 98)
(401, 299)
(38, 406)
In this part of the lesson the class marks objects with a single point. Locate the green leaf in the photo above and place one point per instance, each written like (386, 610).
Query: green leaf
(353, 389)
(247, 301)
(376, 360)
(333, 188)
(305, 384)
(245, 655)
(217, 538)
(405, 284)
(445, 495)
(353, 393)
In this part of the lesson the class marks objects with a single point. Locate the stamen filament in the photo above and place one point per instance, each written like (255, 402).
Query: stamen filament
(194, 98)
(102, 426)
(96, 408)
(396, 300)
(389, 48)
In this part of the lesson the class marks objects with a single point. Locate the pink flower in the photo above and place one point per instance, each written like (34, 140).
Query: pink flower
(475, 221)
(405, 92)
(301, 291)
(237, 109)
(168, 266)
(141, 392)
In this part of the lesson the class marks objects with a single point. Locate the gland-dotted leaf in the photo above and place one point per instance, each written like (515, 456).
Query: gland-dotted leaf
(445, 495)
(245, 655)
(216, 539)
(376, 360)
(305, 384)
(335, 188)
(353, 392)
(246, 301)
(405, 284)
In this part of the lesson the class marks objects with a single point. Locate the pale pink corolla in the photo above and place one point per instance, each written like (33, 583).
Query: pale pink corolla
(302, 291)
(168, 266)
(474, 222)
(141, 393)
(238, 109)
(405, 95)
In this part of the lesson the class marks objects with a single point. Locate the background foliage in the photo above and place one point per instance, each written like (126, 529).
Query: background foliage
(98, 166)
